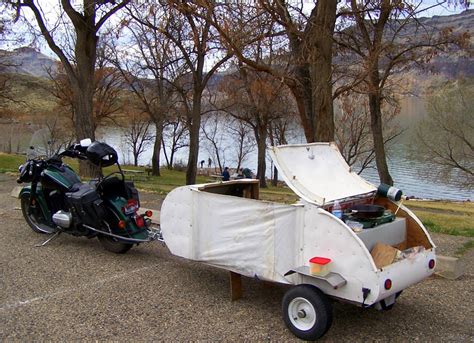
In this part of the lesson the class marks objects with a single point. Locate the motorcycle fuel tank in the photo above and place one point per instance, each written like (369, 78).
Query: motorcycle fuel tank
(59, 177)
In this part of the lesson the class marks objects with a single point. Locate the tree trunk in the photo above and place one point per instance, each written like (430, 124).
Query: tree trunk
(377, 134)
(83, 92)
(321, 40)
(261, 137)
(155, 160)
(195, 124)
(275, 177)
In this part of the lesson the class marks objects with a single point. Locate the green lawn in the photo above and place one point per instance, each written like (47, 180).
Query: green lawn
(454, 218)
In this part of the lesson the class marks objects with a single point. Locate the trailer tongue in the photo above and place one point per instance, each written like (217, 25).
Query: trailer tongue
(225, 225)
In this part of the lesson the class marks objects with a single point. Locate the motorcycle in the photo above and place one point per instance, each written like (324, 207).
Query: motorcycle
(57, 201)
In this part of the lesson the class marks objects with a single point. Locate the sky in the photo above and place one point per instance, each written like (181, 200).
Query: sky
(50, 9)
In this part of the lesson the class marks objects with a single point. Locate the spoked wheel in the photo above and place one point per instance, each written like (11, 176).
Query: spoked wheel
(34, 216)
(114, 245)
(307, 312)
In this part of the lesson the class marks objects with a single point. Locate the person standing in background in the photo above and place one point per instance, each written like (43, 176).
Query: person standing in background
(226, 174)
(209, 162)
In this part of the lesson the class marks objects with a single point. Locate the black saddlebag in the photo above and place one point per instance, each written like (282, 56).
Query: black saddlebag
(86, 205)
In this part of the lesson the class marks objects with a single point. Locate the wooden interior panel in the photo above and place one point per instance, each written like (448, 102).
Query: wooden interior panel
(246, 189)
(415, 234)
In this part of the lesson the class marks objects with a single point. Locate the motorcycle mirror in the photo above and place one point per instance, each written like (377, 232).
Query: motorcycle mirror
(85, 142)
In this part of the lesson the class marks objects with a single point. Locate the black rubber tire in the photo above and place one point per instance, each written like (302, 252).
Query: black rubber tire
(35, 219)
(389, 307)
(113, 245)
(320, 304)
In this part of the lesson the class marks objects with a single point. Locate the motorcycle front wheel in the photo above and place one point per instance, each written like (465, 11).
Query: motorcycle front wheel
(114, 245)
(34, 216)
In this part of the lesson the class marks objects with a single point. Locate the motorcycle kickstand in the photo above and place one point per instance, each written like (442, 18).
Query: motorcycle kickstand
(56, 234)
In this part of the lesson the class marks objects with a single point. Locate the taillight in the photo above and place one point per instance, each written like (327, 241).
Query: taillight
(122, 224)
(431, 264)
(139, 221)
(131, 207)
(388, 284)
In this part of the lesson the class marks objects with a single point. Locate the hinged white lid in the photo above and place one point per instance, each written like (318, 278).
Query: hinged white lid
(318, 173)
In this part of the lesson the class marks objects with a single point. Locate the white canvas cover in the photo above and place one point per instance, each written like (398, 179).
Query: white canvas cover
(318, 173)
(253, 238)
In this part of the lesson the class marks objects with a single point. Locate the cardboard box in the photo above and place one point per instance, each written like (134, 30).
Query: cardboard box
(383, 254)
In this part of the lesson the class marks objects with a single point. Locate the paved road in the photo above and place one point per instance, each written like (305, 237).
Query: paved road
(72, 289)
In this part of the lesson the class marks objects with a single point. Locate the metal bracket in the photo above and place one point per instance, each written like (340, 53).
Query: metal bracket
(335, 280)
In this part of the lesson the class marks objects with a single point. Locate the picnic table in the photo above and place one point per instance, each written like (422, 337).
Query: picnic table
(134, 174)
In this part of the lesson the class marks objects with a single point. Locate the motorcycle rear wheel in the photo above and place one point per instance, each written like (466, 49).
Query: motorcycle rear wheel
(114, 245)
(35, 218)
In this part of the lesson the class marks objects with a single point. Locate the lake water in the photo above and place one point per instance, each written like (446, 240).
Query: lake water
(413, 177)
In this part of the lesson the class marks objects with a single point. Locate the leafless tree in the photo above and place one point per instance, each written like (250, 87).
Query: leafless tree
(446, 136)
(306, 48)
(86, 21)
(353, 132)
(108, 88)
(138, 134)
(175, 136)
(242, 142)
(198, 45)
(377, 36)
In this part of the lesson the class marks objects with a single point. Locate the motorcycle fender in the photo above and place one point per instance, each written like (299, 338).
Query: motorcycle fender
(115, 204)
(40, 198)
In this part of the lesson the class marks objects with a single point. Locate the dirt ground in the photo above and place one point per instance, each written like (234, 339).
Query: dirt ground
(72, 289)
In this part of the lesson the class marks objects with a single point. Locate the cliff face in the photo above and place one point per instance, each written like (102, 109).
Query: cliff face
(27, 61)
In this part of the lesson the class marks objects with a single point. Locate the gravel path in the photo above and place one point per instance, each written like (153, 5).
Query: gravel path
(72, 289)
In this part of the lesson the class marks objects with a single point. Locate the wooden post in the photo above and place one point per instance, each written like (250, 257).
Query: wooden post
(235, 286)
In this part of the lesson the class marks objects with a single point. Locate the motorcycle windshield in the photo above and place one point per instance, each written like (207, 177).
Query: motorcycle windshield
(45, 144)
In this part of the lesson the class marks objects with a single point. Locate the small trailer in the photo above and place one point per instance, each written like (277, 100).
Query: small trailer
(225, 225)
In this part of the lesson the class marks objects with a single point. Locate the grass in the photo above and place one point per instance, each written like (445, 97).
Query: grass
(464, 248)
(453, 218)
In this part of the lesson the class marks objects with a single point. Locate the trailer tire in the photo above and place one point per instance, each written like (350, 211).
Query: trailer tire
(307, 312)
(389, 307)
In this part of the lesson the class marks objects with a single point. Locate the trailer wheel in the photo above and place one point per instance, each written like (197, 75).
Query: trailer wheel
(307, 312)
(389, 307)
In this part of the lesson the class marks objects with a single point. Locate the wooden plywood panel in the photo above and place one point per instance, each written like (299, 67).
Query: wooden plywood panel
(415, 234)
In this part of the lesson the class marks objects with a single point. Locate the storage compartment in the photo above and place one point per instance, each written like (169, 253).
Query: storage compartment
(393, 234)
(86, 204)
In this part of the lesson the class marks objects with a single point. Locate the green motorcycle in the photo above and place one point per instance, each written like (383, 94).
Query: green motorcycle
(56, 201)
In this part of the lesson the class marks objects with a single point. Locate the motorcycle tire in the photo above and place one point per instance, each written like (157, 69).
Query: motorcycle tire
(35, 218)
(113, 245)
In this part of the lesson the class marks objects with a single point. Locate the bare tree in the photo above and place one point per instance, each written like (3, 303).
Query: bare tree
(446, 136)
(175, 135)
(256, 99)
(214, 133)
(80, 65)
(240, 134)
(138, 135)
(377, 34)
(308, 40)
(196, 41)
(108, 88)
(353, 132)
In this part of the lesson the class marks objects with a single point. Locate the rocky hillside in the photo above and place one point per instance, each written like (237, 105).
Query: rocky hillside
(27, 61)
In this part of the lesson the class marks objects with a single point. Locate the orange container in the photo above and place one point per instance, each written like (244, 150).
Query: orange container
(319, 266)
